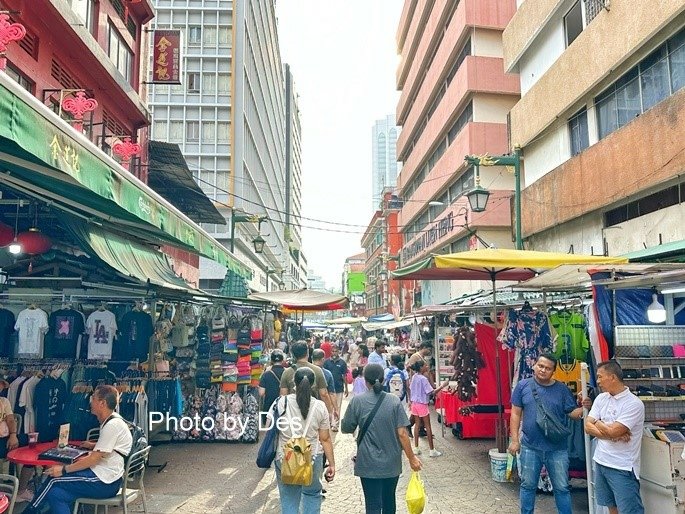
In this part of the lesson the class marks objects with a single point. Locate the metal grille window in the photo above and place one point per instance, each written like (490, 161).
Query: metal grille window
(593, 8)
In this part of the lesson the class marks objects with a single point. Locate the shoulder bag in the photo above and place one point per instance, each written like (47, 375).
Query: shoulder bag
(267, 450)
(367, 423)
(554, 429)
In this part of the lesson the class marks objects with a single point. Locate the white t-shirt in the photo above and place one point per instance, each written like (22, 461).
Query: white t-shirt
(376, 358)
(26, 400)
(317, 417)
(114, 436)
(32, 325)
(629, 411)
(101, 326)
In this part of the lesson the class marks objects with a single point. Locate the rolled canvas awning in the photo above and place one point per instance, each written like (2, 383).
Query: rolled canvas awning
(40, 152)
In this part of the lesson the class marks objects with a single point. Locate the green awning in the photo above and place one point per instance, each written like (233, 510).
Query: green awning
(412, 268)
(128, 257)
(667, 252)
(39, 146)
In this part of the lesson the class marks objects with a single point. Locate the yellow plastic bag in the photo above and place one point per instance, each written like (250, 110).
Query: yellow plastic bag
(416, 494)
(297, 467)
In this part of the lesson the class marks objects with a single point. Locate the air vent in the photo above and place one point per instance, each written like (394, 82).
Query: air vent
(62, 75)
(131, 26)
(119, 8)
(29, 43)
(113, 125)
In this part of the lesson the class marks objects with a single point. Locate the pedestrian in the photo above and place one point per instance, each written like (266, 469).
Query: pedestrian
(96, 475)
(318, 359)
(536, 449)
(617, 419)
(421, 390)
(363, 352)
(377, 356)
(300, 352)
(397, 380)
(327, 346)
(338, 369)
(422, 354)
(303, 412)
(358, 383)
(353, 352)
(270, 382)
(382, 437)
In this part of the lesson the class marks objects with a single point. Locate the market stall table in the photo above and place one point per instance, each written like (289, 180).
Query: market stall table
(28, 456)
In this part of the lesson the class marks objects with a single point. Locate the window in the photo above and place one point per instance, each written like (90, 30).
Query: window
(224, 83)
(208, 132)
(159, 130)
(209, 36)
(224, 36)
(85, 9)
(175, 131)
(573, 23)
(209, 84)
(194, 35)
(593, 8)
(577, 127)
(465, 117)
(192, 131)
(120, 54)
(193, 80)
(676, 51)
(223, 129)
(20, 79)
(654, 78)
(660, 200)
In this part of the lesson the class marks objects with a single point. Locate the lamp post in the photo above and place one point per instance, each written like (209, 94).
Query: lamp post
(258, 241)
(478, 196)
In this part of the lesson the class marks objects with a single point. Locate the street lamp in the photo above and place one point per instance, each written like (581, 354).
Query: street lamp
(258, 241)
(477, 196)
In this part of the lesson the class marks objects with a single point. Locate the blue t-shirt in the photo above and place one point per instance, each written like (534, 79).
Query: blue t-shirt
(330, 382)
(558, 401)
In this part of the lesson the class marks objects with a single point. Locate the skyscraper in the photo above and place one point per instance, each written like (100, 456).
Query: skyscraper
(228, 116)
(384, 156)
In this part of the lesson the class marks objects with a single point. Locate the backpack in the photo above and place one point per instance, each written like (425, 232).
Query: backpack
(137, 434)
(395, 384)
(297, 467)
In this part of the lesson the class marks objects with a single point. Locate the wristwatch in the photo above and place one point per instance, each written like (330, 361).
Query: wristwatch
(64, 469)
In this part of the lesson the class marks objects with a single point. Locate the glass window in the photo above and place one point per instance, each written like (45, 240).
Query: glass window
(192, 131)
(85, 10)
(16, 75)
(223, 129)
(577, 127)
(194, 35)
(224, 83)
(654, 78)
(628, 98)
(224, 36)
(573, 23)
(176, 131)
(607, 121)
(676, 50)
(208, 132)
(159, 130)
(209, 36)
(193, 80)
(209, 83)
(119, 53)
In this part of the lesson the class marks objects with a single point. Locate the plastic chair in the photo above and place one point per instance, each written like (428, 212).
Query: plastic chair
(133, 472)
(9, 485)
(93, 434)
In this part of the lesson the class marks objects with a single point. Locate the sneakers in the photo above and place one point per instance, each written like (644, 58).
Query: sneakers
(434, 453)
(24, 496)
(417, 450)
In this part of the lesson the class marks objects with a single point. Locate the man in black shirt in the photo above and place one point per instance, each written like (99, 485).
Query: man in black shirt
(338, 369)
(270, 383)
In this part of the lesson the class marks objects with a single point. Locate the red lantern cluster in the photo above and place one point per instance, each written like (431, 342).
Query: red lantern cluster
(33, 242)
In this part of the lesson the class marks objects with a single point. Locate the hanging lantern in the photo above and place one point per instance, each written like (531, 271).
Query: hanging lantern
(33, 242)
(6, 235)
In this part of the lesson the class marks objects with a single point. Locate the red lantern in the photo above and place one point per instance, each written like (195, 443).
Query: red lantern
(33, 242)
(6, 235)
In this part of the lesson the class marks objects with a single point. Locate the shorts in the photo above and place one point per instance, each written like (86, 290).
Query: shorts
(419, 409)
(617, 488)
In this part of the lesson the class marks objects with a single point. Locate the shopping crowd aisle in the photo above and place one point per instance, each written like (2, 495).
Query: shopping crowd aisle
(222, 478)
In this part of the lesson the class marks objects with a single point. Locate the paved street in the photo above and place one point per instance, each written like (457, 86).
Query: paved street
(222, 478)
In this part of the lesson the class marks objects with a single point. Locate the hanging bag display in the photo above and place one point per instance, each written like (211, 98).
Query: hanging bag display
(297, 467)
(219, 318)
(554, 430)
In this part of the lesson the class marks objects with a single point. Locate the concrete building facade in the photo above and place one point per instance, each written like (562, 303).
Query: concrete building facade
(600, 123)
(229, 117)
(384, 171)
(454, 101)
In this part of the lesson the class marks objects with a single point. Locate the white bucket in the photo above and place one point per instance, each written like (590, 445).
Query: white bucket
(498, 465)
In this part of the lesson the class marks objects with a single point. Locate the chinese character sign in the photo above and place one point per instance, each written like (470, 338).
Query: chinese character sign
(166, 65)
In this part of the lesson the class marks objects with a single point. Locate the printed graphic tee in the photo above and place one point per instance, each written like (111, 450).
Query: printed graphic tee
(7, 322)
(32, 324)
(136, 329)
(66, 325)
(101, 327)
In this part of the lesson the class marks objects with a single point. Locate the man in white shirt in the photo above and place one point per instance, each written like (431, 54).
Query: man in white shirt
(617, 419)
(377, 356)
(98, 474)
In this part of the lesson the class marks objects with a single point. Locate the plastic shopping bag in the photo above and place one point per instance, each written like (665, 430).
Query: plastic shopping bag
(511, 466)
(416, 494)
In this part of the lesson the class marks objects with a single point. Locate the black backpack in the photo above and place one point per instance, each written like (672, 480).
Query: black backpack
(137, 434)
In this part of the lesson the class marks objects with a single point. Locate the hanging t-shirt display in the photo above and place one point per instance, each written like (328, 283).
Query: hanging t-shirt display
(529, 333)
(7, 322)
(49, 398)
(32, 324)
(101, 327)
(136, 329)
(66, 326)
(572, 342)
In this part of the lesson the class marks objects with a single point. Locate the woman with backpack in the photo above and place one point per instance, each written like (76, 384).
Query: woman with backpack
(304, 416)
(397, 380)
(382, 437)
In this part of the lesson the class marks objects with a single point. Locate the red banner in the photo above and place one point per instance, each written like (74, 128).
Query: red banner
(166, 65)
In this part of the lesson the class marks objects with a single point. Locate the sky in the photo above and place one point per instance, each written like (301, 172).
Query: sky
(343, 57)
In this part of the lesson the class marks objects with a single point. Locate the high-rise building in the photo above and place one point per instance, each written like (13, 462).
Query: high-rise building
(384, 157)
(229, 118)
(600, 124)
(454, 101)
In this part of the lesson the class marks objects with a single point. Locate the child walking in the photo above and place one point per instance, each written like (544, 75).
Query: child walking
(358, 385)
(421, 390)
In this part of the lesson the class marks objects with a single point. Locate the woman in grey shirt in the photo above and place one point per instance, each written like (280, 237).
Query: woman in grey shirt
(379, 445)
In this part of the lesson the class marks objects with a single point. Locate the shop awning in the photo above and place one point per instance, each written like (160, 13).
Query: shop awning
(43, 153)
(304, 300)
(169, 175)
(131, 259)
(673, 251)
